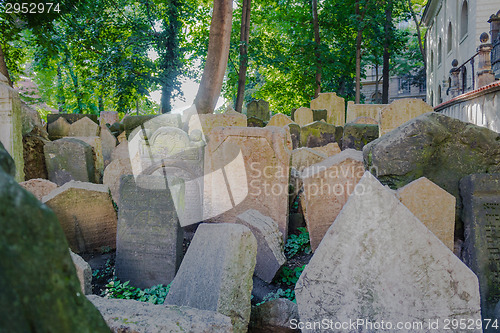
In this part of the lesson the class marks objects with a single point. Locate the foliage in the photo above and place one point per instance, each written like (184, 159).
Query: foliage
(289, 276)
(280, 293)
(298, 243)
(154, 295)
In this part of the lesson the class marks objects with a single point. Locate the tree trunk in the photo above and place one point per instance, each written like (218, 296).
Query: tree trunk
(217, 55)
(317, 54)
(3, 67)
(244, 39)
(387, 52)
(360, 17)
(60, 89)
(376, 85)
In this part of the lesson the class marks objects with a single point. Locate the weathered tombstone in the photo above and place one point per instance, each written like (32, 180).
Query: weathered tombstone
(11, 125)
(303, 116)
(108, 117)
(319, 134)
(206, 122)
(216, 273)
(438, 147)
(320, 115)
(334, 105)
(433, 206)
(39, 187)
(255, 122)
(258, 109)
(120, 151)
(327, 186)
(40, 289)
(365, 120)
(294, 134)
(70, 117)
(96, 144)
(279, 120)
(253, 163)
(86, 214)
(305, 157)
(329, 150)
(378, 262)
(274, 316)
(58, 129)
(34, 157)
(108, 142)
(399, 112)
(84, 273)
(355, 111)
(126, 315)
(30, 118)
(69, 159)
(481, 200)
(132, 122)
(270, 256)
(84, 127)
(356, 136)
(112, 175)
(149, 237)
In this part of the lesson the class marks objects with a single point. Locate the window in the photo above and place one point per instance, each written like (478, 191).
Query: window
(440, 53)
(440, 100)
(432, 99)
(449, 39)
(404, 85)
(464, 20)
(432, 61)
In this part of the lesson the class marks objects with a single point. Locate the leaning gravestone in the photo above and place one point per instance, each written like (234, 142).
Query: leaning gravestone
(378, 262)
(327, 186)
(206, 122)
(40, 289)
(39, 187)
(481, 252)
(69, 159)
(86, 214)
(279, 120)
(255, 122)
(34, 157)
(112, 175)
(258, 109)
(319, 134)
(84, 273)
(11, 125)
(96, 144)
(294, 134)
(435, 146)
(247, 168)
(328, 150)
(303, 116)
(149, 237)
(58, 129)
(270, 256)
(399, 112)
(433, 206)
(84, 127)
(132, 122)
(305, 157)
(216, 273)
(356, 136)
(334, 106)
(108, 142)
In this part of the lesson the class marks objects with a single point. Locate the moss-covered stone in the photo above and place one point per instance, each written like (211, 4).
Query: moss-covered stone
(356, 136)
(6, 162)
(319, 134)
(435, 146)
(40, 289)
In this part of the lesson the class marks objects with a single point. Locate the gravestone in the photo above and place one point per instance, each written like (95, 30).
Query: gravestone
(399, 112)
(34, 157)
(319, 115)
(11, 125)
(327, 186)
(96, 144)
(149, 237)
(108, 142)
(378, 262)
(305, 157)
(84, 273)
(31, 119)
(69, 159)
(356, 136)
(108, 117)
(40, 289)
(303, 116)
(334, 106)
(270, 256)
(328, 150)
(258, 109)
(86, 215)
(481, 252)
(433, 206)
(320, 134)
(70, 117)
(216, 273)
(164, 120)
(112, 175)
(274, 316)
(130, 123)
(120, 151)
(83, 128)
(279, 120)
(206, 122)
(355, 111)
(58, 129)
(253, 163)
(365, 120)
(294, 130)
(255, 122)
(39, 187)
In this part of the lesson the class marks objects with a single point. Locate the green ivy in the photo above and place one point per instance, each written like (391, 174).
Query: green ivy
(155, 295)
(280, 293)
(291, 276)
(298, 243)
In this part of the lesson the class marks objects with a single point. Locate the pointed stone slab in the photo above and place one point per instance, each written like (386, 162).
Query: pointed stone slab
(270, 256)
(84, 127)
(433, 206)
(258, 109)
(379, 262)
(334, 106)
(58, 129)
(216, 273)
